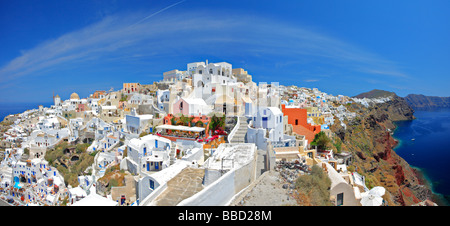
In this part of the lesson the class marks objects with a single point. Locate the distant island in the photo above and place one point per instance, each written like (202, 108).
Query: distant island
(416, 101)
(422, 102)
(376, 93)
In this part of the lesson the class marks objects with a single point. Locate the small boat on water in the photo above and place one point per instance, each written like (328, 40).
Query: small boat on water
(413, 139)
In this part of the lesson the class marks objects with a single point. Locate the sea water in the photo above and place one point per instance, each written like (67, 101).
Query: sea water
(425, 144)
(16, 108)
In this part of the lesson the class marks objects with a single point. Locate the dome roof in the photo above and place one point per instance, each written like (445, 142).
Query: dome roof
(74, 96)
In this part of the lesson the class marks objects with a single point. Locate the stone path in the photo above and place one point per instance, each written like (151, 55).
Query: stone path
(266, 191)
(187, 183)
(239, 136)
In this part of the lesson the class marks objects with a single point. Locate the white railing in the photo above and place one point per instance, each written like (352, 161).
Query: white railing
(282, 144)
(231, 135)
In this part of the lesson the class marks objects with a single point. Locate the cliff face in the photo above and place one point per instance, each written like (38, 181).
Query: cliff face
(369, 138)
(427, 102)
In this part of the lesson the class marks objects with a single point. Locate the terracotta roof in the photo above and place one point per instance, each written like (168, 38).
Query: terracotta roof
(300, 130)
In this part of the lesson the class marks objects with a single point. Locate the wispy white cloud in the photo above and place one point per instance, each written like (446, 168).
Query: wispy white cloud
(136, 36)
(394, 73)
(158, 12)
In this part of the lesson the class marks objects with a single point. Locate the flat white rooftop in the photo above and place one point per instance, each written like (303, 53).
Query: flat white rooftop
(228, 156)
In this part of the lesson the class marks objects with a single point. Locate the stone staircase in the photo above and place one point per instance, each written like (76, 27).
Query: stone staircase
(239, 136)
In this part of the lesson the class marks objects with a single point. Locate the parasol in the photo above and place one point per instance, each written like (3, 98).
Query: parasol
(371, 200)
(377, 191)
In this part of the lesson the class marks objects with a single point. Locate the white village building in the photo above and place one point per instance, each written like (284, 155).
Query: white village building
(148, 153)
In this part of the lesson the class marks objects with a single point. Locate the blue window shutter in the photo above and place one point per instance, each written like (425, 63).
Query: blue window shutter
(152, 184)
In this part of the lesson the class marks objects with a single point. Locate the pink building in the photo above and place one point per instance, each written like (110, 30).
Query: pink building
(191, 106)
(181, 107)
(81, 108)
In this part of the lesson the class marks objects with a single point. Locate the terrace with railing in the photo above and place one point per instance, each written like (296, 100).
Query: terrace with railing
(285, 143)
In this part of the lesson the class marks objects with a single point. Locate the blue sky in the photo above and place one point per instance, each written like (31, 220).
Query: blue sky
(341, 47)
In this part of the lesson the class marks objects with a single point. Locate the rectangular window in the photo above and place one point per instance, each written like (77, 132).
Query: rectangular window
(152, 184)
(340, 199)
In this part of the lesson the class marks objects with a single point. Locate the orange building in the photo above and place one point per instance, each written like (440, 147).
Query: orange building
(131, 87)
(214, 143)
(122, 105)
(99, 94)
(298, 118)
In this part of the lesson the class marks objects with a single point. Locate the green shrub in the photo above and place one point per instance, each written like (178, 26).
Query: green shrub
(315, 186)
(80, 148)
(351, 168)
(113, 183)
(321, 140)
(338, 145)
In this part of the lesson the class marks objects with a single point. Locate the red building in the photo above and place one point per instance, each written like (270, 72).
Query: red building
(298, 118)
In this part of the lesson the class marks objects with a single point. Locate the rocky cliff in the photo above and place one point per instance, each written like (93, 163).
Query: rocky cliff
(369, 138)
(418, 101)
